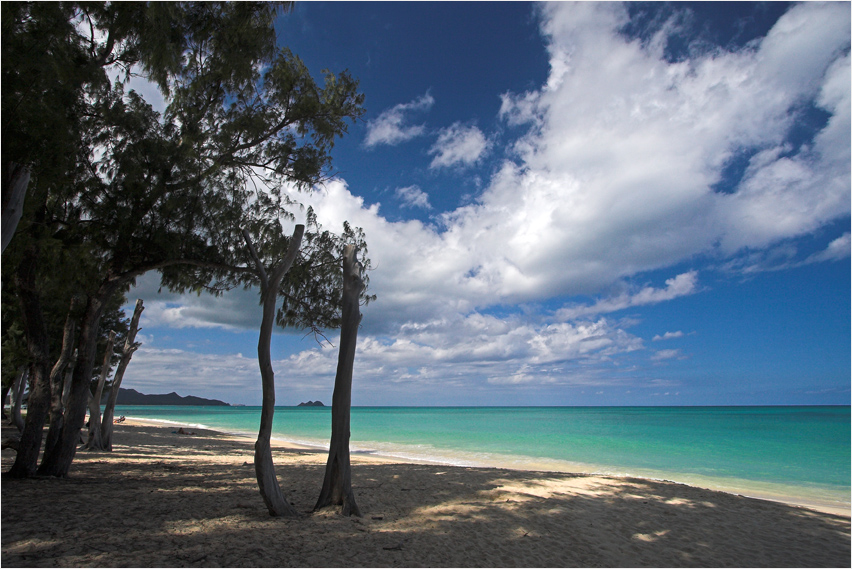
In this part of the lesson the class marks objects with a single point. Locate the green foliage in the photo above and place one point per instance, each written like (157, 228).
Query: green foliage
(313, 288)
(54, 293)
(119, 189)
(44, 67)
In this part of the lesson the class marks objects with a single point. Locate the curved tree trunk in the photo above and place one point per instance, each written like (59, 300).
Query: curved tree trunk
(264, 468)
(129, 347)
(337, 485)
(94, 442)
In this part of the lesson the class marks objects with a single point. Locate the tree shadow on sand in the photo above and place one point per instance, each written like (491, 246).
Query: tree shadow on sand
(137, 507)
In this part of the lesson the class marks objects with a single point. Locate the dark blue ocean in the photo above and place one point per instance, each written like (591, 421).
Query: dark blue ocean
(799, 454)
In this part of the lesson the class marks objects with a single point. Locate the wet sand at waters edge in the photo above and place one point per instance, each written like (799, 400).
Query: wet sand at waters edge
(163, 499)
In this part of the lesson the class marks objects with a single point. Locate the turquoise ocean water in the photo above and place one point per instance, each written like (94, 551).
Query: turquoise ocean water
(798, 454)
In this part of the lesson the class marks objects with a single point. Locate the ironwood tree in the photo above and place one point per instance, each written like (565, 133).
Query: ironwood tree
(93, 442)
(139, 190)
(56, 282)
(337, 483)
(130, 346)
(270, 280)
(298, 270)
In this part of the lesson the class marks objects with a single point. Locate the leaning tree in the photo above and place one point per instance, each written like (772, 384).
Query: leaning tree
(130, 346)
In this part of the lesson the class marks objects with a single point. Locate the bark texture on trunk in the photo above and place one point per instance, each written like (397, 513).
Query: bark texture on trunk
(57, 461)
(16, 178)
(66, 383)
(130, 346)
(53, 433)
(94, 441)
(38, 349)
(337, 485)
(264, 467)
(56, 376)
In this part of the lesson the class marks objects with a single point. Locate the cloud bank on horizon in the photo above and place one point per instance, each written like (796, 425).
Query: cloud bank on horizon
(627, 161)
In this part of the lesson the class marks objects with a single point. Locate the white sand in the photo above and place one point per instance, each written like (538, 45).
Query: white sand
(163, 499)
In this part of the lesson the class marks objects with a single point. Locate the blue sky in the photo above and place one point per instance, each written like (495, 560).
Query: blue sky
(593, 204)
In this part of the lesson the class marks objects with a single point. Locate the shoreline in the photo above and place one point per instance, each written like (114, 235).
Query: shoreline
(163, 499)
(735, 487)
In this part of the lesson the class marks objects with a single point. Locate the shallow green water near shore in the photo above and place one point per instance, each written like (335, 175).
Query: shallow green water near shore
(784, 452)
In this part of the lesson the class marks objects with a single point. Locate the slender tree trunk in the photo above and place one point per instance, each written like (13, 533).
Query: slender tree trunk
(58, 460)
(16, 178)
(264, 468)
(57, 373)
(337, 485)
(129, 347)
(18, 398)
(38, 348)
(94, 441)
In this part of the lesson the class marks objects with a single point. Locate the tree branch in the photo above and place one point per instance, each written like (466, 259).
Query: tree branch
(261, 270)
(290, 256)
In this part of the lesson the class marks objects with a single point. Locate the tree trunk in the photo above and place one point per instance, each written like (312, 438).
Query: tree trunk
(56, 376)
(57, 461)
(55, 429)
(129, 347)
(66, 383)
(16, 178)
(337, 485)
(18, 398)
(38, 349)
(264, 468)
(94, 441)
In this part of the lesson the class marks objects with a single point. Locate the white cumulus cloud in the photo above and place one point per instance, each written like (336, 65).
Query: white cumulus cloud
(680, 285)
(392, 127)
(413, 196)
(458, 145)
(616, 177)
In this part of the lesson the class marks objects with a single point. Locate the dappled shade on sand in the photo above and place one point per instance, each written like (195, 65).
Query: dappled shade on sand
(193, 501)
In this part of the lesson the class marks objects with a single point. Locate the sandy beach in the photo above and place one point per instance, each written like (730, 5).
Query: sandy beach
(163, 499)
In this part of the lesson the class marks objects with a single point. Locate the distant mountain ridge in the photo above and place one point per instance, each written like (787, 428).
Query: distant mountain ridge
(133, 397)
(316, 403)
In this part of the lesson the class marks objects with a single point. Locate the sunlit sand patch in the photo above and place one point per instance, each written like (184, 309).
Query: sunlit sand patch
(650, 537)
(449, 510)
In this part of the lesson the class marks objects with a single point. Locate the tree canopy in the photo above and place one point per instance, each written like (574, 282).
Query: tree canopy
(119, 188)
